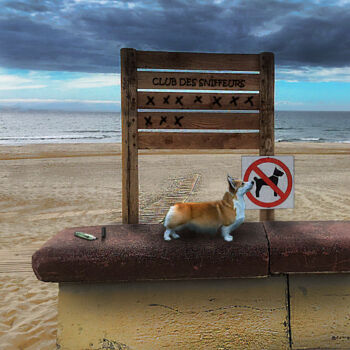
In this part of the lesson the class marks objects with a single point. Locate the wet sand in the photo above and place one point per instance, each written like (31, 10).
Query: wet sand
(45, 188)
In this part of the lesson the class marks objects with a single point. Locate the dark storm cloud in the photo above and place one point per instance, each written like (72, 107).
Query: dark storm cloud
(27, 7)
(87, 35)
(42, 47)
(320, 40)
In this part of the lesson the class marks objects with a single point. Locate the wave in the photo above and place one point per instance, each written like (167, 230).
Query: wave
(91, 131)
(58, 137)
(310, 139)
(288, 128)
(302, 139)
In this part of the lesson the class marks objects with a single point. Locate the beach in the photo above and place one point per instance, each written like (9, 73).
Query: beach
(48, 187)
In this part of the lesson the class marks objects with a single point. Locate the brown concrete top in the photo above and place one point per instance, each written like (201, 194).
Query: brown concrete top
(305, 246)
(139, 252)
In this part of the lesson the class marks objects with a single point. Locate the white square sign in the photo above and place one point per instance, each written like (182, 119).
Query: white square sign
(273, 179)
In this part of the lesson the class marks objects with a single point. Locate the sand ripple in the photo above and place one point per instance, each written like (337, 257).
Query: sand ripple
(28, 313)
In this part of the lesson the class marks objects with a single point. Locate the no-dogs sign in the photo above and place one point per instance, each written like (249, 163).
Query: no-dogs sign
(273, 179)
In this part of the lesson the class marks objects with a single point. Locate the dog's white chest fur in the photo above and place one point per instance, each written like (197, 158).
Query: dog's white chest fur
(239, 206)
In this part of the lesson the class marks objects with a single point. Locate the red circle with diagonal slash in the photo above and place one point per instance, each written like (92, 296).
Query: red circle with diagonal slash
(283, 195)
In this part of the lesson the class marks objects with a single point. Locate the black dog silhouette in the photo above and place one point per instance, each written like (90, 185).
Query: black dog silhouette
(260, 182)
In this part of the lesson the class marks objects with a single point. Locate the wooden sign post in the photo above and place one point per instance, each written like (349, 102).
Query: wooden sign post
(267, 115)
(250, 86)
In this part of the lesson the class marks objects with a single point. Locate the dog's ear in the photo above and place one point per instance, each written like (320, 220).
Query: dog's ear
(231, 182)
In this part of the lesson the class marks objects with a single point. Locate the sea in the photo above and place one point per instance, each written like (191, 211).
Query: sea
(18, 127)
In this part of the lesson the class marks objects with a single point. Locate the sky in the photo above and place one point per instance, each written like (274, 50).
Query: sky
(64, 54)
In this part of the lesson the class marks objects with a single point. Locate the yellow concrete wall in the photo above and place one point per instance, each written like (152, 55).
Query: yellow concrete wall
(320, 311)
(201, 314)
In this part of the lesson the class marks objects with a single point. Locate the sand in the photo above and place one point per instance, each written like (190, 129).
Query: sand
(45, 188)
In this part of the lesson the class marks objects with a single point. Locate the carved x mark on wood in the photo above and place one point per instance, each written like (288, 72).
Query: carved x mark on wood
(249, 100)
(234, 100)
(166, 100)
(148, 120)
(162, 119)
(217, 101)
(198, 99)
(178, 100)
(177, 120)
(150, 100)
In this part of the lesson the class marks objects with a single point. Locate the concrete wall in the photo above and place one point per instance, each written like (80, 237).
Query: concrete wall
(208, 314)
(320, 311)
(200, 314)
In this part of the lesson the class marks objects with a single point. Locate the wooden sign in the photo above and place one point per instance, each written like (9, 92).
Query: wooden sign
(189, 120)
(195, 101)
(191, 93)
(197, 81)
(168, 140)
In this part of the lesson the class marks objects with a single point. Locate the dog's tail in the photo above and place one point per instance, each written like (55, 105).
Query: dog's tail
(255, 178)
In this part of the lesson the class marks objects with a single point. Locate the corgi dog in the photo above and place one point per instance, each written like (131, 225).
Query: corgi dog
(207, 217)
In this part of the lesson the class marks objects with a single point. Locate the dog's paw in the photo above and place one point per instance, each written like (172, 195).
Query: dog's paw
(228, 238)
(175, 235)
(167, 238)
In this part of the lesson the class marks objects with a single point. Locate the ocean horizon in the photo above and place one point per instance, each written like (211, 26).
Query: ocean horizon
(20, 127)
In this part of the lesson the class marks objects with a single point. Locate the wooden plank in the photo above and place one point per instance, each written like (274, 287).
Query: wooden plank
(267, 124)
(130, 188)
(189, 120)
(192, 140)
(197, 61)
(198, 81)
(209, 101)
